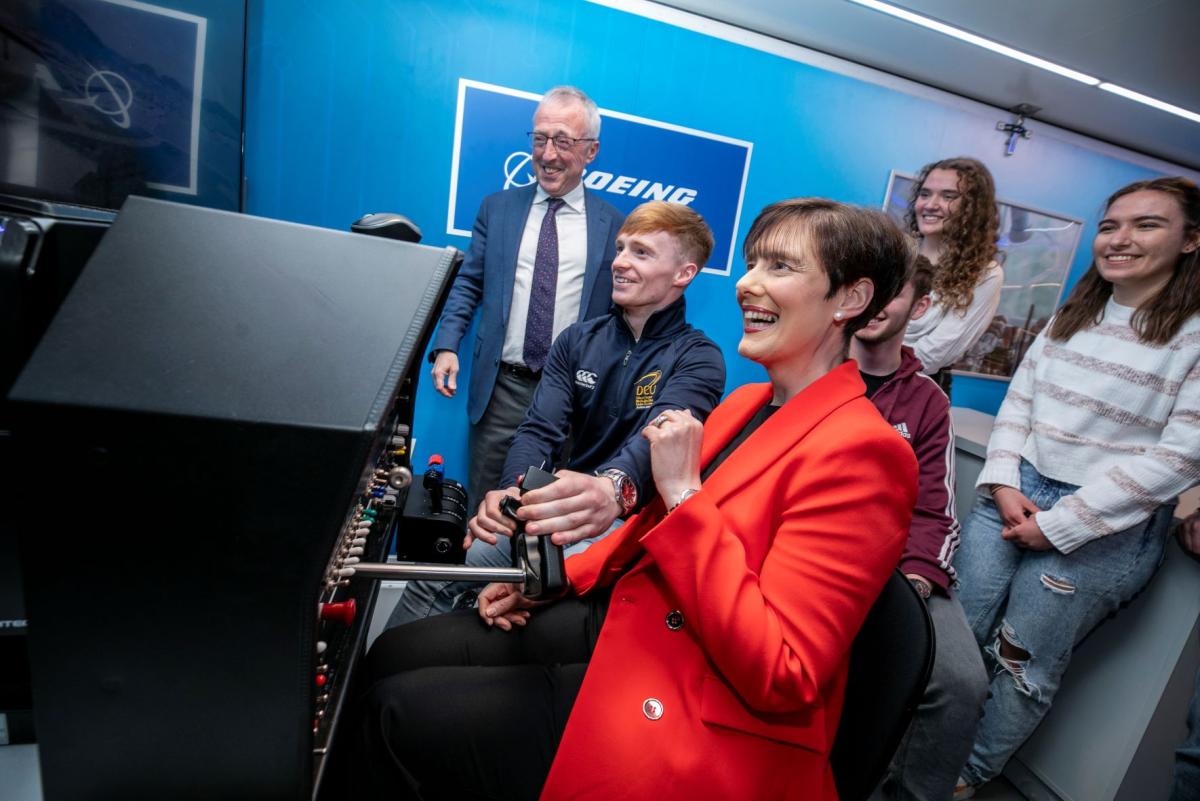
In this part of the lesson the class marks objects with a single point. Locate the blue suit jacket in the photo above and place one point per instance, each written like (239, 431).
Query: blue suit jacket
(487, 275)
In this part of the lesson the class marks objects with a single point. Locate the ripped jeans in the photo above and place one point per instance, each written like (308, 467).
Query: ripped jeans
(1042, 603)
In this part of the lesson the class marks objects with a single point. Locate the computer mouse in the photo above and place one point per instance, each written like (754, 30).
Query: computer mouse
(388, 224)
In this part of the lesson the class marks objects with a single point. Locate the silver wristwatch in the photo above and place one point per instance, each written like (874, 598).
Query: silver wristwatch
(683, 496)
(624, 490)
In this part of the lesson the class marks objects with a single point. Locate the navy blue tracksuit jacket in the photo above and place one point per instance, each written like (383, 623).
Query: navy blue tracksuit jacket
(600, 388)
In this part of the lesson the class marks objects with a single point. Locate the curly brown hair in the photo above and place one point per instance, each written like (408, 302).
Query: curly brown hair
(1159, 318)
(969, 241)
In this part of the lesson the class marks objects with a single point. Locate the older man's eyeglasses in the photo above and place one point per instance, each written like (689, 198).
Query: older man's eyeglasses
(561, 142)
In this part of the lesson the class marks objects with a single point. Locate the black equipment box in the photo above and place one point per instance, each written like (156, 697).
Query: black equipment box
(428, 535)
(200, 435)
(43, 248)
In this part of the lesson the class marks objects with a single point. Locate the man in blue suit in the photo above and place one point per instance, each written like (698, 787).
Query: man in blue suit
(540, 259)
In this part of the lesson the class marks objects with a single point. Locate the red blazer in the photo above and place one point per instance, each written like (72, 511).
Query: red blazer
(720, 668)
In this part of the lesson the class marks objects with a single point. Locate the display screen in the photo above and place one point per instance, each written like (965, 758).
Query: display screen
(100, 99)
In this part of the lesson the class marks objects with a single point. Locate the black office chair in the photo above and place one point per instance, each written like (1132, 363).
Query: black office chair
(890, 663)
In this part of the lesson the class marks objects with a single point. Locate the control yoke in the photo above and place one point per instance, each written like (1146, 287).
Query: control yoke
(537, 563)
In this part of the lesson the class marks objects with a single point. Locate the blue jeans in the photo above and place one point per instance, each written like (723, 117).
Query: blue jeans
(1042, 603)
(1187, 756)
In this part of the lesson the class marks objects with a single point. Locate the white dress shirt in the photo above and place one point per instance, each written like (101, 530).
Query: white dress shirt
(572, 264)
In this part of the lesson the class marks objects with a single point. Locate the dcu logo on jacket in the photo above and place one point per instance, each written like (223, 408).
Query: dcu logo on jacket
(643, 389)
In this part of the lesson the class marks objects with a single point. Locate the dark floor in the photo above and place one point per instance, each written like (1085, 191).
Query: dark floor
(999, 789)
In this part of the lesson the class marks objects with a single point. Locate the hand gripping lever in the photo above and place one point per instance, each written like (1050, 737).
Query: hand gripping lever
(537, 563)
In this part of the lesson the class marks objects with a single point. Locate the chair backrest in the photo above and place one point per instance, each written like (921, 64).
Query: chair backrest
(890, 663)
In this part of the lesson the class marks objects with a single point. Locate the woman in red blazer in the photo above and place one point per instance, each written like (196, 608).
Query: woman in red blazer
(728, 604)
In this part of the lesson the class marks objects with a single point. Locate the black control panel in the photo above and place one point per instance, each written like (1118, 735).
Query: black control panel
(212, 433)
(43, 248)
(345, 601)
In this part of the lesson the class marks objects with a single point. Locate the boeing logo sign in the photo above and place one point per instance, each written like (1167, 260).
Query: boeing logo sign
(517, 173)
(640, 159)
(642, 189)
(109, 93)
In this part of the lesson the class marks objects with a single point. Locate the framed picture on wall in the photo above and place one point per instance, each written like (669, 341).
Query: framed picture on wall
(1036, 250)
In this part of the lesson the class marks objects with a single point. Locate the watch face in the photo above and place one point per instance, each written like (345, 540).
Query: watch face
(626, 491)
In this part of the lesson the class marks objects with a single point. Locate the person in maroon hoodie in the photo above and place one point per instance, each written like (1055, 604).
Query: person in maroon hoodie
(938, 741)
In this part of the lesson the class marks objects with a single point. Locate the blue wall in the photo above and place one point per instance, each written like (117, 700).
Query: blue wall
(350, 109)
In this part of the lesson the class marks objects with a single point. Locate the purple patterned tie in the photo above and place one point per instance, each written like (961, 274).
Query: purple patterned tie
(539, 323)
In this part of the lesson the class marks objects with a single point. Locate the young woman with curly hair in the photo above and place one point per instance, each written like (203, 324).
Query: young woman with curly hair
(953, 214)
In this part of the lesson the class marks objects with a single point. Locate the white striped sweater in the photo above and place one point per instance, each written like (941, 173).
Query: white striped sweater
(1118, 417)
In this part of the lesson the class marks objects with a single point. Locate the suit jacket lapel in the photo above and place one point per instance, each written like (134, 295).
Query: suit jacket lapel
(510, 231)
(771, 441)
(766, 445)
(597, 241)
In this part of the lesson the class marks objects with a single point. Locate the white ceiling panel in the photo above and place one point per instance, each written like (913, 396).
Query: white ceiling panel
(1148, 46)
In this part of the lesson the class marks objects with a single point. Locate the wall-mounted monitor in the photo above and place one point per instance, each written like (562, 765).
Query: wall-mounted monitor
(101, 99)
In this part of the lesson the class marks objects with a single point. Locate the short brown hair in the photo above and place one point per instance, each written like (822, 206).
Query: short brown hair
(849, 242)
(691, 233)
(921, 277)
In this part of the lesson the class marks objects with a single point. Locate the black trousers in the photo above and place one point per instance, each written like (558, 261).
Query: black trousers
(458, 710)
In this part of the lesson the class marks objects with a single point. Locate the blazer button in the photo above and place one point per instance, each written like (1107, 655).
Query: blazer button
(674, 620)
(652, 708)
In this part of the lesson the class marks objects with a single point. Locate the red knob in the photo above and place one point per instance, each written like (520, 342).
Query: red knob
(322, 679)
(342, 612)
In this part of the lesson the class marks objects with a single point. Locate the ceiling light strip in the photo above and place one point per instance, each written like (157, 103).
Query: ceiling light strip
(978, 41)
(1005, 50)
(1129, 94)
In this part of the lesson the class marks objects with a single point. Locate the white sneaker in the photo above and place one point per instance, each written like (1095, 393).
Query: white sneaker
(962, 790)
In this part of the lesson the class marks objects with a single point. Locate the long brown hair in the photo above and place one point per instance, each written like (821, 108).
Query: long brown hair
(969, 241)
(1160, 317)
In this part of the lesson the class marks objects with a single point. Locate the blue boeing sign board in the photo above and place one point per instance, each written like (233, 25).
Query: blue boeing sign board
(639, 160)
